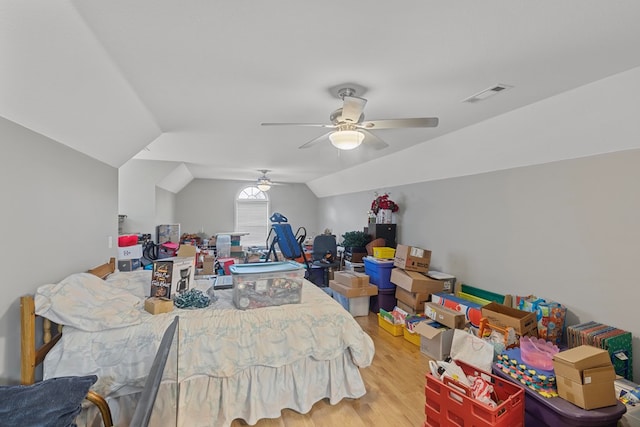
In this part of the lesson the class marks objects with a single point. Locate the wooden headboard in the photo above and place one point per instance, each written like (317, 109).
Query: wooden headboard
(32, 352)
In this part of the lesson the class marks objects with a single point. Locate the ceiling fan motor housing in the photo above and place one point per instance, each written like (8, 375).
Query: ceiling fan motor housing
(336, 117)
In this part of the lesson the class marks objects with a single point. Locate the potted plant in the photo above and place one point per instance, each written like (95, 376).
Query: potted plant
(354, 243)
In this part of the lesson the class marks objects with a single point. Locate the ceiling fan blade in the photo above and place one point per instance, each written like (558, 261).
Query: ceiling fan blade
(419, 122)
(352, 108)
(321, 125)
(373, 141)
(315, 141)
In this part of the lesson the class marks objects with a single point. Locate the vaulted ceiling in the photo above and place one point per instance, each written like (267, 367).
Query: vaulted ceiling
(191, 81)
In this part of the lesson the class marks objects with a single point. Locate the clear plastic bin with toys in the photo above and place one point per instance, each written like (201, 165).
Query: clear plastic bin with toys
(266, 284)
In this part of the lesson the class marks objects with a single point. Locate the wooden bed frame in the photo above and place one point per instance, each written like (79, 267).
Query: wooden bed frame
(33, 353)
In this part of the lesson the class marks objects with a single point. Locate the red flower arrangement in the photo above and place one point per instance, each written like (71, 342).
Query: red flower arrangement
(383, 202)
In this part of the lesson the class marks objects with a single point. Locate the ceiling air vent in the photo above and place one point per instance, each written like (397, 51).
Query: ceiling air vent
(480, 96)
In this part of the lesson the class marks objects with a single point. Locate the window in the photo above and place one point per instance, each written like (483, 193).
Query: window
(252, 216)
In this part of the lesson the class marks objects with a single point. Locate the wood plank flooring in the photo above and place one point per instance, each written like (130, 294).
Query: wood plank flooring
(395, 390)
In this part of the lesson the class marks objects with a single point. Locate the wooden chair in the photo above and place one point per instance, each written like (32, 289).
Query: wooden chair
(34, 352)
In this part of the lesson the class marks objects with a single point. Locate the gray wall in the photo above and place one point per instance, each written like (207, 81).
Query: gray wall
(59, 209)
(207, 205)
(566, 231)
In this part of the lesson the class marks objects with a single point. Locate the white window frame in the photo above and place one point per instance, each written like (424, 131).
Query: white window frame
(249, 197)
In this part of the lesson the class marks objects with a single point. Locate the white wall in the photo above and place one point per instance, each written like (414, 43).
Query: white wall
(206, 205)
(566, 231)
(140, 199)
(165, 207)
(59, 209)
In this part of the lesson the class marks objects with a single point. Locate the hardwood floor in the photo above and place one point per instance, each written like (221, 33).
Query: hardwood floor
(395, 389)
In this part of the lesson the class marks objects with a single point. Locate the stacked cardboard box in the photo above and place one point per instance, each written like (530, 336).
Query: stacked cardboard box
(353, 290)
(412, 258)
(436, 336)
(413, 289)
(585, 377)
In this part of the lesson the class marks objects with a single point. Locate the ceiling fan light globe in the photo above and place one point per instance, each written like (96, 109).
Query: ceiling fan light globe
(346, 139)
(264, 184)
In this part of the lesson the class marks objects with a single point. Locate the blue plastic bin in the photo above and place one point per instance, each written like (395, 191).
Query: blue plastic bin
(379, 272)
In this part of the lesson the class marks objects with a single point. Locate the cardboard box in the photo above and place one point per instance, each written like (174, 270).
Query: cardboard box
(413, 281)
(350, 292)
(186, 251)
(448, 280)
(415, 300)
(130, 252)
(585, 377)
(412, 258)
(570, 363)
(597, 391)
(410, 309)
(435, 339)
(208, 264)
(158, 305)
(470, 309)
(522, 322)
(172, 275)
(351, 278)
(128, 264)
(445, 316)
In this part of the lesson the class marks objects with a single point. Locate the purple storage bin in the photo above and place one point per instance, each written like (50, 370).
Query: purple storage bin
(379, 272)
(541, 411)
(386, 299)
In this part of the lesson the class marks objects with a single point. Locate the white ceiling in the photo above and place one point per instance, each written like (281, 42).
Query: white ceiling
(191, 81)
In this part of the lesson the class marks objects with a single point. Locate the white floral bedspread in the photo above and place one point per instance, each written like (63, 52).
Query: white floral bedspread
(217, 341)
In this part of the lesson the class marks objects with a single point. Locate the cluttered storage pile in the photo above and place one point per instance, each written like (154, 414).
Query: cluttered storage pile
(502, 360)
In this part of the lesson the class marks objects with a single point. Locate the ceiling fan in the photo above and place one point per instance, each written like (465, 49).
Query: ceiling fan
(264, 183)
(349, 127)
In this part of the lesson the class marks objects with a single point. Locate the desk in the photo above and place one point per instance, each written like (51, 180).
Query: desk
(541, 411)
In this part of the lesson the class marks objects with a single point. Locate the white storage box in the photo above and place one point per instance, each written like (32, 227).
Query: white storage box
(357, 306)
(130, 252)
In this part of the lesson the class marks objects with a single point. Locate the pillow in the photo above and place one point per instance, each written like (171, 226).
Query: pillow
(138, 282)
(88, 303)
(54, 402)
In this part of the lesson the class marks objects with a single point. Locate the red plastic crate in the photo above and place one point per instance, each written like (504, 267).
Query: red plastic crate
(448, 403)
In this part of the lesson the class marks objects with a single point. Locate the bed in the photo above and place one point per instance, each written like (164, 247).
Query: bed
(230, 364)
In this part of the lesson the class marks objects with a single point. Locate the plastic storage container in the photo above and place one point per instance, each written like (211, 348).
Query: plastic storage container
(267, 283)
(386, 299)
(450, 403)
(357, 306)
(537, 352)
(393, 329)
(412, 337)
(379, 272)
(383, 252)
(223, 246)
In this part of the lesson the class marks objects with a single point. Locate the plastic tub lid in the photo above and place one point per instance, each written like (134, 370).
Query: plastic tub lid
(265, 267)
(377, 261)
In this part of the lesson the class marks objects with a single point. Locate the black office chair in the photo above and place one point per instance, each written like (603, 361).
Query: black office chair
(325, 255)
